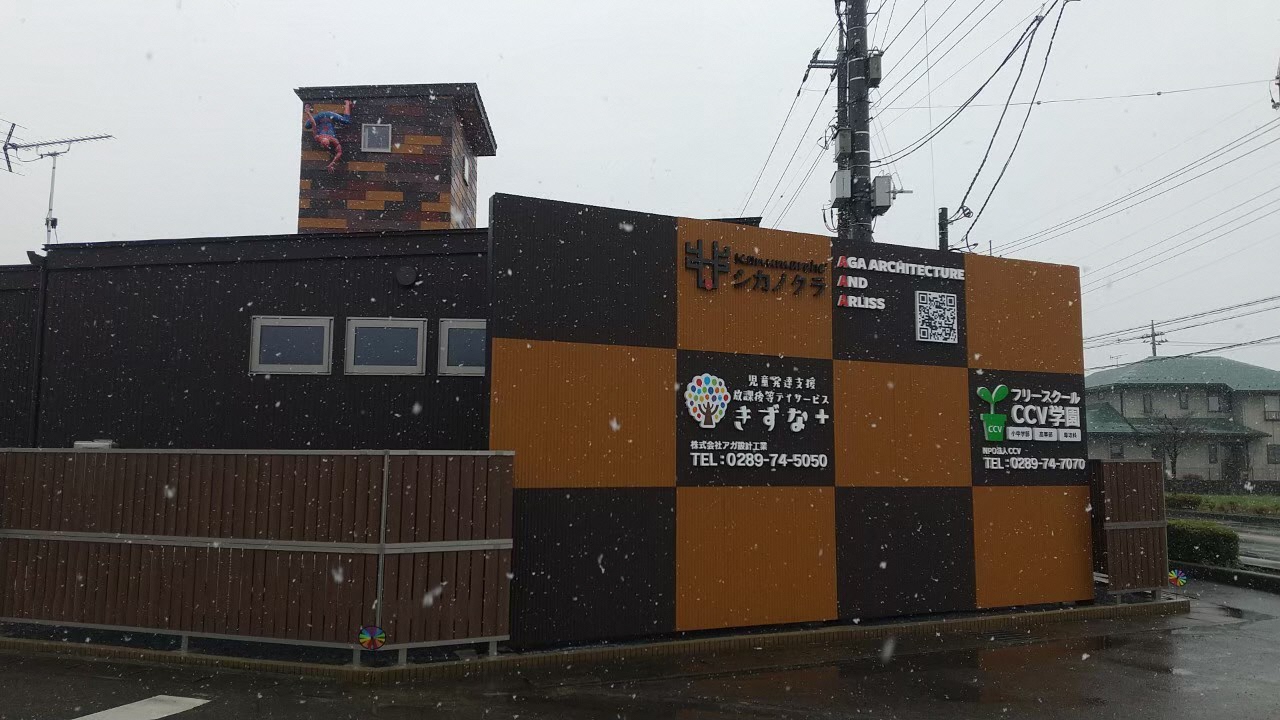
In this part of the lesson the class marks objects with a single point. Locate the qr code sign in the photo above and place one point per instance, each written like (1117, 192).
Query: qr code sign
(936, 317)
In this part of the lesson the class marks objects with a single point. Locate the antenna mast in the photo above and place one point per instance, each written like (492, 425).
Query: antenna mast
(50, 222)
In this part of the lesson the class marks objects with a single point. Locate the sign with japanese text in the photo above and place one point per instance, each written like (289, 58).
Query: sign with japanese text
(711, 266)
(898, 304)
(753, 420)
(1027, 428)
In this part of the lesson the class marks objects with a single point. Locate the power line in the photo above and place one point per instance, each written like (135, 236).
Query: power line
(1064, 227)
(1128, 338)
(888, 25)
(804, 134)
(927, 27)
(1198, 268)
(1018, 140)
(905, 25)
(1199, 245)
(921, 142)
(1101, 279)
(1200, 199)
(875, 24)
(939, 58)
(767, 158)
(795, 195)
(963, 206)
(932, 61)
(1252, 134)
(785, 119)
(1136, 203)
(1259, 341)
(1182, 318)
(1117, 178)
(1126, 96)
(793, 191)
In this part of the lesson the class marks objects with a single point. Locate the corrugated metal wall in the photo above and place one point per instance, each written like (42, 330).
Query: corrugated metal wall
(754, 556)
(588, 415)
(901, 425)
(1032, 545)
(18, 299)
(794, 324)
(157, 355)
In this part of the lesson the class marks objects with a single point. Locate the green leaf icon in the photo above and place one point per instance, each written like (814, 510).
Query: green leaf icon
(1001, 392)
(994, 396)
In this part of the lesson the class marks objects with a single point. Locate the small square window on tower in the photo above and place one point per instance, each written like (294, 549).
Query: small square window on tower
(375, 137)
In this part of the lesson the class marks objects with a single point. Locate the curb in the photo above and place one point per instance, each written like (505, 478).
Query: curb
(1266, 582)
(1264, 520)
(516, 663)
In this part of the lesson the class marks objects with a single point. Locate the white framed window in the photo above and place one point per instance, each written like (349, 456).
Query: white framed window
(375, 137)
(295, 345)
(468, 167)
(386, 346)
(462, 347)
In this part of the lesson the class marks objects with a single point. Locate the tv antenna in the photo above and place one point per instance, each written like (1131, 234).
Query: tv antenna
(58, 147)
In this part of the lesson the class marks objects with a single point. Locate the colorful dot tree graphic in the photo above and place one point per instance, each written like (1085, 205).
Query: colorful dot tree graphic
(707, 398)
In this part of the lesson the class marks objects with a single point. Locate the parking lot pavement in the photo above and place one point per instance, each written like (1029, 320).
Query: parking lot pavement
(1222, 660)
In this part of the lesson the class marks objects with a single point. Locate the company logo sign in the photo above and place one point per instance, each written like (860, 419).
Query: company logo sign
(752, 273)
(993, 422)
(1053, 422)
(707, 399)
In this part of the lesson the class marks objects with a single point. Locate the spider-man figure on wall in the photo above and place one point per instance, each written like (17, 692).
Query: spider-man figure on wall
(321, 126)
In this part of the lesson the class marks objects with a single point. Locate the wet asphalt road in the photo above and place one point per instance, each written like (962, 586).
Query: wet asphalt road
(1221, 661)
(1259, 544)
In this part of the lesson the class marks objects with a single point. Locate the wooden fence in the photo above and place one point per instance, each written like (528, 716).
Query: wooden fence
(285, 546)
(1129, 544)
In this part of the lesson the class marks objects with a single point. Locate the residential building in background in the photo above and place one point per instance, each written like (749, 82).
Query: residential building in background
(1206, 418)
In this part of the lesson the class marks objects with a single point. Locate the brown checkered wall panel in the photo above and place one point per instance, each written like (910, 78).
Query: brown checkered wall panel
(808, 398)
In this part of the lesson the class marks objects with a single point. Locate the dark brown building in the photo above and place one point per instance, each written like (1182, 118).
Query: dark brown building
(408, 159)
(714, 425)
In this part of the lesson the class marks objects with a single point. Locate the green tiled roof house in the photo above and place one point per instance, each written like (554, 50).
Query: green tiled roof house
(1219, 417)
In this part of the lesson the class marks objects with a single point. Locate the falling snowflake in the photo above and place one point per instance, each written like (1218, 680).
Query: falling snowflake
(886, 650)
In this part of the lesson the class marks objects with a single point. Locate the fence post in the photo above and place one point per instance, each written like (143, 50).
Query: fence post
(382, 534)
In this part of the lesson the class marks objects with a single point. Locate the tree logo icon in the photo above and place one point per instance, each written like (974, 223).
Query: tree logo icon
(993, 422)
(707, 398)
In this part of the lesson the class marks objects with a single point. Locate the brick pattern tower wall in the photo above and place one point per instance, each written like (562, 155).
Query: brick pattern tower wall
(422, 184)
(462, 188)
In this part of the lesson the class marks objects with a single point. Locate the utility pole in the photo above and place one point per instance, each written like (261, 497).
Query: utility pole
(851, 191)
(944, 226)
(1155, 338)
(50, 222)
(856, 197)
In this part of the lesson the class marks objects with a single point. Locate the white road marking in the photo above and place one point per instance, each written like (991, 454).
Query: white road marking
(160, 706)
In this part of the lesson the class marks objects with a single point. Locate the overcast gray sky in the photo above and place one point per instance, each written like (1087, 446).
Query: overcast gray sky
(671, 107)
